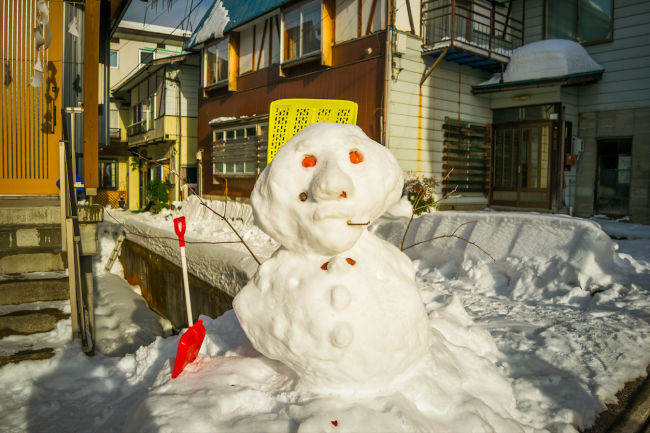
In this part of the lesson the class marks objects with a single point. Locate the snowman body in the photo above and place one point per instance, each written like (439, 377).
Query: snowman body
(335, 303)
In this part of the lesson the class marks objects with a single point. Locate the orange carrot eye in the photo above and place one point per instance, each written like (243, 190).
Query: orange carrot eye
(355, 157)
(309, 161)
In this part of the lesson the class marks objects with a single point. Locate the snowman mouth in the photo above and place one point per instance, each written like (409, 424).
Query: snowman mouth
(332, 212)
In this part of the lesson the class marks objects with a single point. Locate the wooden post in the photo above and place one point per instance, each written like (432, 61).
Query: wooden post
(372, 16)
(327, 32)
(233, 61)
(453, 21)
(91, 100)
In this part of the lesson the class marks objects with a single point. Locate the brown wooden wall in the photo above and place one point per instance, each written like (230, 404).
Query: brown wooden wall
(355, 76)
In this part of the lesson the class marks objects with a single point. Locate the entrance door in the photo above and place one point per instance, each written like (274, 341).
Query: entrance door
(613, 177)
(521, 165)
(30, 126)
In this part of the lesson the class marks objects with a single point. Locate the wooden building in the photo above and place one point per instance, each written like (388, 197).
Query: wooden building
(420, 72)
(31, 113)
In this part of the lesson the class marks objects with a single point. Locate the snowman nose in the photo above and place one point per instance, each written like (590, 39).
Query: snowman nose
(331, 183)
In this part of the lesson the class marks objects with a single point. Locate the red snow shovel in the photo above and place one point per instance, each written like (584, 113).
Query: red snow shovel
(188, 347)
(190, 343)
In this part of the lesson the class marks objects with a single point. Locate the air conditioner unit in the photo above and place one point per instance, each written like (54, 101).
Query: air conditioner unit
(578, 145)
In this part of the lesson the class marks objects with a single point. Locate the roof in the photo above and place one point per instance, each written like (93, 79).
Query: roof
(134, 79)
(239, 13)
(151, 28)
(563, 81)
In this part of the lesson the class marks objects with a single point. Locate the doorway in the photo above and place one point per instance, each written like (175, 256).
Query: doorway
(613, 174)
(521, 165)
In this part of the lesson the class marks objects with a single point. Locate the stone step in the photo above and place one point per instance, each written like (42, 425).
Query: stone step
(34, 259)
(30, 321)
(14, 213)
(27, 355)
(45, 236)
(14, 292)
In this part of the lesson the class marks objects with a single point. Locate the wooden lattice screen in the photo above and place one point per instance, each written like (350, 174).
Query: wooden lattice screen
(466, 151)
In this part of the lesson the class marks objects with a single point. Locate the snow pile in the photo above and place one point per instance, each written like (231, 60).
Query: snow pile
(123, 320)
(211, 26)
(538, 257)
(547, 59)
(622, 229)
(232, 387)
(221, 119)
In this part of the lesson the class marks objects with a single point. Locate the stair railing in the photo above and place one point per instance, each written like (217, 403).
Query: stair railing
(71, 241)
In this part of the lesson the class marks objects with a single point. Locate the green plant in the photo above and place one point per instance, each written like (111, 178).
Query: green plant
(158, 193)
(420, 192)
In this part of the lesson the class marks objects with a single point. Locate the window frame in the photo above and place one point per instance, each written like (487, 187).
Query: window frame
(258, 131)
(216, 43)
(302, 57)
(116, 174)
(117, 52)
(577, 21)
(140, 51)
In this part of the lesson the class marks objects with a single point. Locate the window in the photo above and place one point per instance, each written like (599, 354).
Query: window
(302, 31)
(108, 174)
(216, 62)
(142, 116)
(240, 151)
(146, 56)
(114, 58)
(584, 21)
(114, 121)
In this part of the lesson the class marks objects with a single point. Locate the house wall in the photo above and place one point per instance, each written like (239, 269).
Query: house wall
(355, 75)
(416, 115)
(626, 60)
(189, 91)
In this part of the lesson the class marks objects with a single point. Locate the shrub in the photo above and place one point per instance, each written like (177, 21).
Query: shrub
(420, 192)
(158, 192)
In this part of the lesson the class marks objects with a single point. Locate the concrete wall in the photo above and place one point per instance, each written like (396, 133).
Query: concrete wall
(633, 123)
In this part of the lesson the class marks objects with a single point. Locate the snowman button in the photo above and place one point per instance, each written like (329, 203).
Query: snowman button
(340, 298)
(342, 335)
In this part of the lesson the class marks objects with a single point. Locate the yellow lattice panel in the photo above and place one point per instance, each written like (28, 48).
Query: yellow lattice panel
(289, 116)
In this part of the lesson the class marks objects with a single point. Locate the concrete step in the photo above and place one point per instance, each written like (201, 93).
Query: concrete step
(17, 261)
(30, 321)
(21, 236)
(14, 292)
(27, 355)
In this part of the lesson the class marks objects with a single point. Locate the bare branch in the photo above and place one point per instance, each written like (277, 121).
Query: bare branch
(453, 235)
(211, 210)
(165, 237)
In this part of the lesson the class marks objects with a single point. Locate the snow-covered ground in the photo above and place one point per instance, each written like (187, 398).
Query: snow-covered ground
(569, 315)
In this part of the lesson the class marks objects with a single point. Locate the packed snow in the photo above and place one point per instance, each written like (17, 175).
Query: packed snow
(211, 26)
(547, 59)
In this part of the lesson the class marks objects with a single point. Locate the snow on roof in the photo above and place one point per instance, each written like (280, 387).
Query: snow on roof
(133, 25)
(221, 119)
(547, 59)
(211, 26)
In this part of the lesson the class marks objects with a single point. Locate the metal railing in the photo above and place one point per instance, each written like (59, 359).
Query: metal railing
(71, 242)
(137, 128)
(472, 24)
(116, 133)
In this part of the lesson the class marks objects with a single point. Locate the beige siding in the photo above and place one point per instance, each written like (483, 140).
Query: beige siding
(189, 78)
(626, 80)
(415, 122)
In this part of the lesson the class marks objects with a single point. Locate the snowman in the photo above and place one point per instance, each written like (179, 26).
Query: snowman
(335, 303)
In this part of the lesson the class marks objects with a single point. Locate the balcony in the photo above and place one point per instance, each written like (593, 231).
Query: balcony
(137, 128)
(115, 134)
(479, 34)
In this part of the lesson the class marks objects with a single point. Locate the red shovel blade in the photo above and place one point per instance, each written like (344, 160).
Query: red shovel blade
(188, 347)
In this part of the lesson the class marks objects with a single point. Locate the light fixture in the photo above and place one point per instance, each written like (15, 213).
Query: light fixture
(521, 98)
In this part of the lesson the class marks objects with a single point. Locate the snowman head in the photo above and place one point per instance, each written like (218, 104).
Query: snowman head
(325, 178)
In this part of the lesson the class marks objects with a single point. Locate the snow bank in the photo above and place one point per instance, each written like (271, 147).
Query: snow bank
(620, 229)
(537, 257)
(232, 387)
(123, 320)
(217, 265)
(547, 59)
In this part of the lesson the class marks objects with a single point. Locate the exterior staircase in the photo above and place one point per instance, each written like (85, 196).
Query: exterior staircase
(33, 271)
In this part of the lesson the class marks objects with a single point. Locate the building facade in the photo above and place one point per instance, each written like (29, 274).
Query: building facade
(435, 84)
(153, 113)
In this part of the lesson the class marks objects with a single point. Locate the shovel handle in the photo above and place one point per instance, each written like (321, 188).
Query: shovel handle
(179, 227)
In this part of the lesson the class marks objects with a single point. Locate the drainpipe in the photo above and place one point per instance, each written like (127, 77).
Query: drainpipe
(388, 72)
